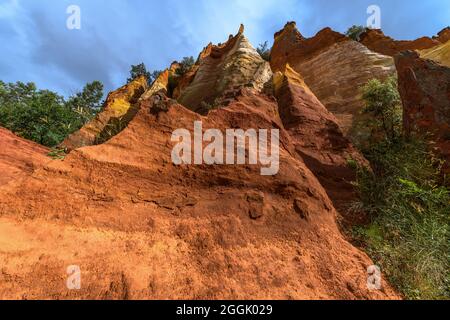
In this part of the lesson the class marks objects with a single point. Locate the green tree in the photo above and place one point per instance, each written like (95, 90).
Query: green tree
(264, 51)
(141, 70)
(383, 102)
(42, 115)
(185, 65)
(137, 71)
(88, 102)
(355, 32)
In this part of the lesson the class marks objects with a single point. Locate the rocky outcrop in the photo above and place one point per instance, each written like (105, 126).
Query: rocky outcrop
(19, 157)
(117, 112)
(141, 227)
(443, 36)
(317, 138)
(290, 47)
(164, 82)
(424, 87)
(439, 54)
(436, 48)
(160, 83)
(148, 229)
(221, 68)
(184, 81)
(335, 73)
(377, 41)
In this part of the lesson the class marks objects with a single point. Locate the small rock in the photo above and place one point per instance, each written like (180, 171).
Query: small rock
(302, 209)
(159, 103)
(256, 205)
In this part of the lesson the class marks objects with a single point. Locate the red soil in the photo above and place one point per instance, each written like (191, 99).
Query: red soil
(140, 227)
(19, 157)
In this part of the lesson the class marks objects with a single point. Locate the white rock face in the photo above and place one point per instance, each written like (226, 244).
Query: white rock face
(336, 75)
(235, 64)
(440, 54)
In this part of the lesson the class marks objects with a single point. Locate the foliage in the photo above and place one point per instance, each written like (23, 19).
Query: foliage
(384, 104)
(355, 32)
(112, 128)
(409, 232)
(264, 51)
(409, 209)
(44, 116)
(141, 70)
(206, 107)
(185, 65)
(57, 153)
(88, 102)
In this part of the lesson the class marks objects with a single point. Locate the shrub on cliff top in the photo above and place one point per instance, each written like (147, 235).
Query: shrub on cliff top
(141, 70)
(355, 32)
(264, 50)
(185, 65)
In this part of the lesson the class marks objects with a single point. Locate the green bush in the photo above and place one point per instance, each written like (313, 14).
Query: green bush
(264, 51)
(141, 70)
(57, 153)
(88, 102)
(384, 104)
(408, 235)
(185, 65)
(355, 32)
(44, 116)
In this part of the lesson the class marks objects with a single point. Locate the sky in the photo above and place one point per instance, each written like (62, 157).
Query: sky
(36, 45)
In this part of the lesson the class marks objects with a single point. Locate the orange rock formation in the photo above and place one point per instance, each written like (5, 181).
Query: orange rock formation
(424, 87)
(335, 68)
(377, 41)
(141, 227)
(117, 111)
(19, 157)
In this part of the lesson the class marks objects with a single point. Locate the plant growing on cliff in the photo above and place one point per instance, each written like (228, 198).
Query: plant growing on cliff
(57, 153)
(185, 65)
(383, 103)
(141, 70)
(355, 32)
(409, 232)
(88, 102)
(408, 235)
(264, 50)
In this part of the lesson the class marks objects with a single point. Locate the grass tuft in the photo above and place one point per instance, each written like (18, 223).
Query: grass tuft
(409, 234)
